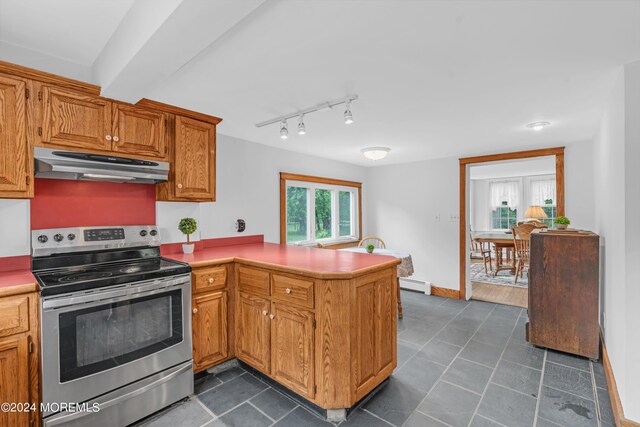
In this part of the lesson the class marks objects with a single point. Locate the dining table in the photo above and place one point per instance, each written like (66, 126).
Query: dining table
(501, 241)
(405, 268)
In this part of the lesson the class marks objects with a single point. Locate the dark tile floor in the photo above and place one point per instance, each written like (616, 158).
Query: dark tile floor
(459, 364)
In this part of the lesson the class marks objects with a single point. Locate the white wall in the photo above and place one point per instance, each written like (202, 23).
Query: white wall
(248, 187)
(403, 201)
(617, 195)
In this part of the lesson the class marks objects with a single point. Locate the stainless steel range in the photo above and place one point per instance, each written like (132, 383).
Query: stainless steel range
(116, 324)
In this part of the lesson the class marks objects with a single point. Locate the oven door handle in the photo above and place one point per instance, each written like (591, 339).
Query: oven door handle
(104, 405)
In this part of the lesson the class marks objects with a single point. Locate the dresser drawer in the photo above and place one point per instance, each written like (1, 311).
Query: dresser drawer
(253, 280)
(206, 279)
(291, 290)
(14, 314)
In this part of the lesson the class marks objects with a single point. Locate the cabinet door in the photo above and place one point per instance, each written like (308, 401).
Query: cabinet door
(195, 168)
(209, 329)
(15, 155)
(253, 341)
(75, 120)
(373, 345)
(292, 362)
(140, 132)
(14, 379)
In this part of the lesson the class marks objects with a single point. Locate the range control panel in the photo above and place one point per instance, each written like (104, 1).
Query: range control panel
(78, 239)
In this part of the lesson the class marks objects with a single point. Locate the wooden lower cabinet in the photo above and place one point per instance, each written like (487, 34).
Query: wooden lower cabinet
(292, 355)
(210, 337)
(19, 358)
(254, 331)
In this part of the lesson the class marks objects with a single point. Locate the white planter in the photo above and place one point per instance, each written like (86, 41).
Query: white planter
(187, 248)
(561, 226)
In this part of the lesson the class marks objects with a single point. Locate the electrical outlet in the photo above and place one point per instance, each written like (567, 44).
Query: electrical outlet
(454, 217)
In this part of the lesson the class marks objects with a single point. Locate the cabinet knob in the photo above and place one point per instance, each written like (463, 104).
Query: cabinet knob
(108, 138)
(179, 185)
(288, 290)
(264, 312)
(116, 138)
(211, 280)
(195, 310)
(272, 316)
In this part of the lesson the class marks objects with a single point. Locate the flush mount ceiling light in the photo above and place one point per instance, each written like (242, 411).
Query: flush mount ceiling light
(302, 130)
(375, 153)
(324, 106)
(284, 131)
(537, 126)
(348, 117)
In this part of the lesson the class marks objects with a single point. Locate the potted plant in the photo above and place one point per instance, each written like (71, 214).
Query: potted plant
(562, 222)
(187, 226)
(370, 248)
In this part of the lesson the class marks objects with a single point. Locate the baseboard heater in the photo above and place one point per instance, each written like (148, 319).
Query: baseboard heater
(416, 285)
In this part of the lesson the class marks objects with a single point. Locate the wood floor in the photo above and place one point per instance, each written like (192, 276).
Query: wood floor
(501, 294)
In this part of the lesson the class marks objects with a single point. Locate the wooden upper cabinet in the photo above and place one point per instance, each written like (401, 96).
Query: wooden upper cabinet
(210, 338)
(139, 131)
(16, 157)
(292, 351)
(75, 121)
(194, 160)
(253, 342)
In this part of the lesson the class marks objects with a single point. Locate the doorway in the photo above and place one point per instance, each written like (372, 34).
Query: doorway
(496, 192)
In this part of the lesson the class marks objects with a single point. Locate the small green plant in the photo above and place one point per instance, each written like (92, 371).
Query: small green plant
(370, 248)
(188, 226)
(563, 220)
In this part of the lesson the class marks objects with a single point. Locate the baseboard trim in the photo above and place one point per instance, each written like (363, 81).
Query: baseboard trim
(614, 397)
(445, 292)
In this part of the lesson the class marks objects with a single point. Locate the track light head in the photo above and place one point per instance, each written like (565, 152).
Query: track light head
(348, 117)
(284, 131)
(302, 130)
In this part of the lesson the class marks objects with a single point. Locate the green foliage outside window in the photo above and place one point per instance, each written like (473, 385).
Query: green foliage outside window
(323, 214)
(296, 214)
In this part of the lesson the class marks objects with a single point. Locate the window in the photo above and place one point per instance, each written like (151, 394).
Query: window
(505, 197)
(319, 210)
(543, 193)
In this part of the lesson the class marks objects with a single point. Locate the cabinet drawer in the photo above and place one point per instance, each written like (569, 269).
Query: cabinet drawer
(14, 315)
(253, 280)
(206, 279)
(291, 290)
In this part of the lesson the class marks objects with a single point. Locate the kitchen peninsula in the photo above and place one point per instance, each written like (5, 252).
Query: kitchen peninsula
(320, 322)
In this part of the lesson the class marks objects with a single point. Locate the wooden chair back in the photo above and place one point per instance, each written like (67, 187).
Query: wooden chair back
(375, 241)
(521, 239)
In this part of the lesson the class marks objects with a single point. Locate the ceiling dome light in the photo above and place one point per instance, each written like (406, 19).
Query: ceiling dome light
(375, 153)
(348, 117)
(284, 131)
(537, 126)
(302, 130)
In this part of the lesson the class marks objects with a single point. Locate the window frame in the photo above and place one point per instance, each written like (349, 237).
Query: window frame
(517, 208)
(312, 183)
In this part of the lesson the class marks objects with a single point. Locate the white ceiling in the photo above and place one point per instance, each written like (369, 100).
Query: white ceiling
(510, 168)
(435, 78)
(73, 30)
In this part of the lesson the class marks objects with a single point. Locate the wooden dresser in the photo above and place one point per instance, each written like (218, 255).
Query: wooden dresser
(564, 291)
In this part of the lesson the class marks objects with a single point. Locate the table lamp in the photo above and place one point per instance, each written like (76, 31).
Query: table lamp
(535, 212)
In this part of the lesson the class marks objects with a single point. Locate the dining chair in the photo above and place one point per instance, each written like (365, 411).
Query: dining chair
(483, 251)
(521, 243)
(375, 241)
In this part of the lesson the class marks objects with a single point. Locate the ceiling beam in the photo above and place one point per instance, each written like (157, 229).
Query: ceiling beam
(156, 38)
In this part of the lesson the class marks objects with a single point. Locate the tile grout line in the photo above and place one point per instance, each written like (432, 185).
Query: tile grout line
(429, 416)
(568, 392)
(372, 414)
(285, 415)
(454, 358)
(210, 412)
(537, 412)
(493, 421)
(595, 394)
(260, 410)
(486, 387)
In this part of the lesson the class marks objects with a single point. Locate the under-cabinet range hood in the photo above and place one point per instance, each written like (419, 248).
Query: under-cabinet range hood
(59, 164)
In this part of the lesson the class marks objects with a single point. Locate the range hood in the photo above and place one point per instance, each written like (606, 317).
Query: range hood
(59, 164)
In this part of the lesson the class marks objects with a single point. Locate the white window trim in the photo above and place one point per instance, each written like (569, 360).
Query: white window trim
(518, 207)
(335, 209)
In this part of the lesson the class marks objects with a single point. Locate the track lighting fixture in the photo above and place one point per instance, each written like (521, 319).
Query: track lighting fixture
(323, 106)
(302, 130)
(348, 117)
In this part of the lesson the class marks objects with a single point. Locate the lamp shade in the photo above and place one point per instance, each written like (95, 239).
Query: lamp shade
(535, 212)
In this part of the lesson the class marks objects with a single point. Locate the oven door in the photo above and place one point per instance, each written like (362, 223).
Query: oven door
(96, 342)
